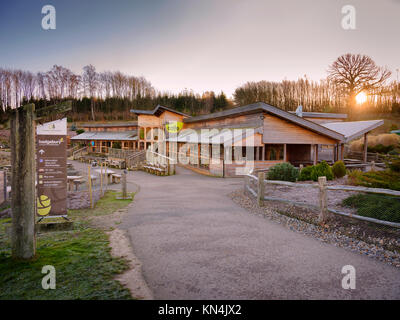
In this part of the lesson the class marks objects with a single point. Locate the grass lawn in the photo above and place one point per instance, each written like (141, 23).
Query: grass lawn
(375, 206)
(84, 266)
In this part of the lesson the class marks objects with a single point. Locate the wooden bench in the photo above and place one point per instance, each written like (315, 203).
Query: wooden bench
(116, 178)
(114, 162)
(77, 183)
(155, 169)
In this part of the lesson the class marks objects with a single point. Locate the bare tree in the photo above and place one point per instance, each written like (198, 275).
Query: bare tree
(355, 73)
(90, 81)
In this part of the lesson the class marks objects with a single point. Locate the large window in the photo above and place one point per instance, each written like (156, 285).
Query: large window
(274, 152)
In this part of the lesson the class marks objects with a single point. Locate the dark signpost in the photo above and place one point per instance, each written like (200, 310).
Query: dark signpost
(51, 159)
(23, 173)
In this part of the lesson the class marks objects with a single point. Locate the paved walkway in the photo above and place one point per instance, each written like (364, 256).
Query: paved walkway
(195, 243)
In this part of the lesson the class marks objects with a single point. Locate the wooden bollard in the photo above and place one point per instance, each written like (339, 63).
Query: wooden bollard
(260, 189)
(90, 187)
(373, 166)
(323, 215)
(124, 193)
(301, 167)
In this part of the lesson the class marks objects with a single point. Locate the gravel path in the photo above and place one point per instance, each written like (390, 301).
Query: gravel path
(196, 243)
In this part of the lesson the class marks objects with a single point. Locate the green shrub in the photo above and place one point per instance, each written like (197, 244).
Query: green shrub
(394, 165)
(375, 206)
(305, 173)
(284, 172)
(79, 131)
(320, 170)
(385, 179)
(353, 176)
(339, 169)
(380, 148)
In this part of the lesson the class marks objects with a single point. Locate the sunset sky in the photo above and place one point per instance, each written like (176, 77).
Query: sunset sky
(198, 44)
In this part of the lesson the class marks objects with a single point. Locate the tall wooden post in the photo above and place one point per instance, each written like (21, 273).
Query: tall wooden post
(124, 194)
(365, 147)
(260, 189)
(285, 152)
(90, 187)
(101, 179)
(323, 200)
(23, 171)
(315, 162)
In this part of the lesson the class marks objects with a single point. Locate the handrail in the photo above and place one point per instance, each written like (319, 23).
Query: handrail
(80, 150)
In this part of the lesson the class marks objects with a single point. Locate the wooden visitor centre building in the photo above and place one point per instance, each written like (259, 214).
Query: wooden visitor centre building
(262, 134)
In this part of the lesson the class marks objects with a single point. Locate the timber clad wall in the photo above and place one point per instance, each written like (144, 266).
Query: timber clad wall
(281, 131)
(157, 121)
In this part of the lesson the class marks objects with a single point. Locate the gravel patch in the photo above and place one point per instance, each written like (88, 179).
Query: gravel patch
(81, 200)
(377, 242)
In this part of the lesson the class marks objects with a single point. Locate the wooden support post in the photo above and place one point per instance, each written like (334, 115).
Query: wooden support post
(323, 202)
(337, 152)
(101, 179)
(342, 151)
(315, 154)
(90, 187)
(260, 189)
(23, 171)
(365, 147)
(124, 193)
(285, 153)
(334, 153)
(5, 184)
(263, 153)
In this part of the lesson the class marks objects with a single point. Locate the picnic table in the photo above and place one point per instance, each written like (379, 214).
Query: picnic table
(109, 173)
(70, 181)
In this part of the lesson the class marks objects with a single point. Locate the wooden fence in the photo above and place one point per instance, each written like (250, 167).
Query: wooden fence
(371, 156)
(260, 183)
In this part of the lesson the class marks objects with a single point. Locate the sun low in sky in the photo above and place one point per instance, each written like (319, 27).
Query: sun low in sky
(361, 97)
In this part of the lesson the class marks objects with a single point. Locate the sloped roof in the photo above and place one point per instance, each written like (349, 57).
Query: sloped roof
(353, 129)
(322, 115)
(157, 111)
(263, 107)
(110, 124)
(107, 135)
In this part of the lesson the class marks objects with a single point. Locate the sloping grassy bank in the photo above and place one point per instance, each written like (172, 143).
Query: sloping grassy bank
(84, 266)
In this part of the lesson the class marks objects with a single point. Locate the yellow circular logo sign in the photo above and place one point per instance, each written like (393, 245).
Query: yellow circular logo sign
(43, 205)
(174, 126)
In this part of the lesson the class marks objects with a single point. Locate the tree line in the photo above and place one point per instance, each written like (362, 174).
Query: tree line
(110, 95)
(347, 77)
(97, 96)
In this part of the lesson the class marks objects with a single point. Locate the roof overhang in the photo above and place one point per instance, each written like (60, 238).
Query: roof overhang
(353, 129)
(107, 136)
(157, 111)
(322, 115)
